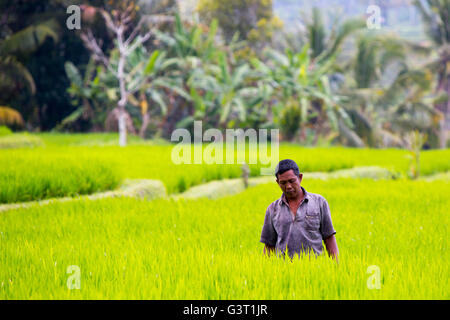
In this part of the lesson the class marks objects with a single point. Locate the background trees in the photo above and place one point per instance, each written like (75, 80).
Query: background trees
(436, 18)
(34, 45)
(139, 66)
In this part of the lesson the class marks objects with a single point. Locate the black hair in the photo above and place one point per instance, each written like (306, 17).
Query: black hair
(286, 165)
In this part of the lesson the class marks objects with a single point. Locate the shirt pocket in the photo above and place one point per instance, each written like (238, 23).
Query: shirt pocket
(312, 219)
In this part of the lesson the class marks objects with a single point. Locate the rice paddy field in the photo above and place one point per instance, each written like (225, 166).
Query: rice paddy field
(175, 248)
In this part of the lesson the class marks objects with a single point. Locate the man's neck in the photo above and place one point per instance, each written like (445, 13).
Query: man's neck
(296, 199)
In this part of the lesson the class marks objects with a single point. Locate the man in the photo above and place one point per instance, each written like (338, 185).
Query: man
(299, 220)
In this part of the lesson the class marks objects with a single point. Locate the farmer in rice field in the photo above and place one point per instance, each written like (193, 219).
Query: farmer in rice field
(299, 220)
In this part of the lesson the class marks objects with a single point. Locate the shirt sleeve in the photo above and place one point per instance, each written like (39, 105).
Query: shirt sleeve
(326, 225)
(268, 234)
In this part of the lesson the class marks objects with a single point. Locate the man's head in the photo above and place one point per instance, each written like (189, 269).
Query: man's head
(289, 178)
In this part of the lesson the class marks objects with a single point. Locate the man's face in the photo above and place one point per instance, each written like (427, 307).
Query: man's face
(290, 183)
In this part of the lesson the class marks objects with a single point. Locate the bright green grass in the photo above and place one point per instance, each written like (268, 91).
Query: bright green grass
(88, 139)
(27, 175)
(4, 131)
(37, 172)
(20, 140)
(335, 158)
(309, 159)
(209, 249)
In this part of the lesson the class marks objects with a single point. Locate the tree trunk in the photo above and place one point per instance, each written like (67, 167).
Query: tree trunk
(446, 124)
(122, 129)
(352, 138)
(123, 92)
(442, 135)
(145, 123)
(444, 108)
(112, 121)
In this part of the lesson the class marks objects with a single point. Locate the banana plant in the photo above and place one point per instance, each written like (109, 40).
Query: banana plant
(146, 79)
(190, 42)
(88, 93)
(229, 96)
(326, 46)
(388, 97)
(20, 44)
(295, 77)
(191, 51)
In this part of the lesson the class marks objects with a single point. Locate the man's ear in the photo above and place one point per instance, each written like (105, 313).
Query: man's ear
(300, 177)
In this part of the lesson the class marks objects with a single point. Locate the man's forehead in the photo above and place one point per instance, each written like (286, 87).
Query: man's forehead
(287, 175)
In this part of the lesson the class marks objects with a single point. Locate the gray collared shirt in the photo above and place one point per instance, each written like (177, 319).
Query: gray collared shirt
(305, 232)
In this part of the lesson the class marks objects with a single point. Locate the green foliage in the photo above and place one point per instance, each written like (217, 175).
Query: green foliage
(229, 91)
(296, 78)
(316, 33)
(27, 40)
(265, 31)
(236, 16)
(290, 120)
(42, 177)
(13, 71)
(4, 131)
(92, 95)
(415, 144)
(20, 140)
(20, 42)
(189, 73)
(190, 41)
(326, 46)
(132, 249)
(435, 14)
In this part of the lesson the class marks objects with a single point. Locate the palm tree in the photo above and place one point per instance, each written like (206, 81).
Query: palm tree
(324, 65)
(436, 17)
(15, 47)
(303, 85)
(99, 88)
(230, 95)
(388, 96)
(191, 50)
(326, 46)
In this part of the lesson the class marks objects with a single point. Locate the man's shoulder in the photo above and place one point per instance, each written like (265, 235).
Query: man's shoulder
(316, 197)
(275, 204)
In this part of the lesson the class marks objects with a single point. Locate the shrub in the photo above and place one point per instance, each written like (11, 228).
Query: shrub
(10, 117)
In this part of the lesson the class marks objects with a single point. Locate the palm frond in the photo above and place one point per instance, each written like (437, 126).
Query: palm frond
(12, 71)
(344, 30)
(30, 38)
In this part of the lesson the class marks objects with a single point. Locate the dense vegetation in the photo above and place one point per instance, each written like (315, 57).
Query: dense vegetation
(68, 165)
(351, 85)
(363, 112)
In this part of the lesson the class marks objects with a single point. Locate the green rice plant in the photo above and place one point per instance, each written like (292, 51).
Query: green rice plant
(336, 158)
(42, 176)
(4, 131)
(19, 140)
(150, 160)
(87, 139)
(129, 248)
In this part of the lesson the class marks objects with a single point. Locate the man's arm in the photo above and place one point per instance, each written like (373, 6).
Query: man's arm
(332, 248)
(327, 230)
(268, 234)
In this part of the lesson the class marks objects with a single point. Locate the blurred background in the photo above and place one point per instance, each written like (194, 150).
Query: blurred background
(352, 73)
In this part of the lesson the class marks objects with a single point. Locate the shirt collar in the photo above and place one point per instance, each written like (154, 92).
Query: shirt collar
(283, 197)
